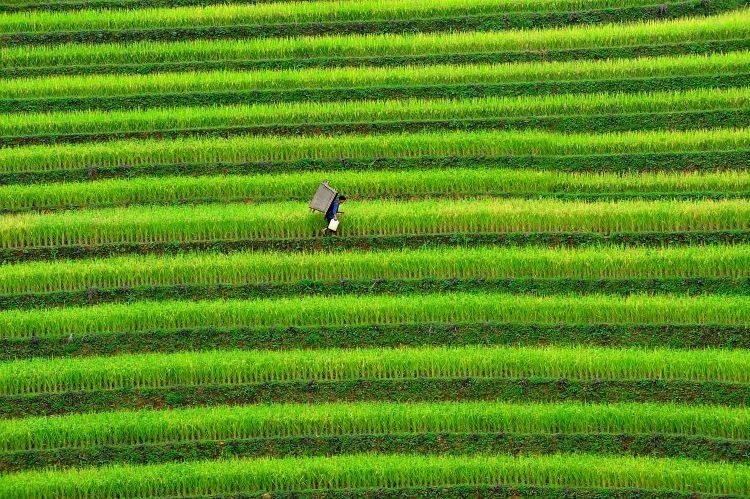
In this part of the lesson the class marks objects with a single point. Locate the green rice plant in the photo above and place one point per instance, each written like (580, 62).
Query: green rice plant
(58, 5)
(376, 471)
(284, 12)
(292, 420)
(19, 5)
(91, 4)
(377, 309)
(406, 145)
(181, 224)
(221, 81)
(256, 267)
(102, 4)
(25, 3)
(729, 26)
(255, 366)
(29, 2)
(364, 185)
(299, 113)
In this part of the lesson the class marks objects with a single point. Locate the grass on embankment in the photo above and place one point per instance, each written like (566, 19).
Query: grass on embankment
(300, 420)
(153, 121)
(217, 222)
(224, 81)
(733, 25)
(460, 263)
(378, 471)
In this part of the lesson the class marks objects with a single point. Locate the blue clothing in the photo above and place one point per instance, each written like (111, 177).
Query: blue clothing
(332, 210)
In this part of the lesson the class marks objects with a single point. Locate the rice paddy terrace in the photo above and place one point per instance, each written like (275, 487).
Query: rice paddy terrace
(540, 287)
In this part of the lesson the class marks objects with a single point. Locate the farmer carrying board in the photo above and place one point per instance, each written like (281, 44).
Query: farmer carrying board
(332, 222)
(326, 200)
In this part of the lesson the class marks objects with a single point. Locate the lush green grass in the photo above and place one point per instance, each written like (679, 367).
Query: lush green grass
(364, 185)
(373, 470)
(733, 25)
(366, 218)
(267, 421)
(252, 366)
(154, 120)
(219, 81)
(483, 143)
(254, 267)
(285, 12)
(378, 309)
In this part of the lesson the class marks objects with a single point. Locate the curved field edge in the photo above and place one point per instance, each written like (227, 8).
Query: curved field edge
(237, 367)
(654, 445)
(88, 122)
(508, 219)
(542, 492)
(241, 475)
(729, 26)
(381, 335)
(480, 23)
(406, 76)
(337, 243)
(67, 5)
(624, 163)
(663, 195)
(396, 184)
(356, 310)
(533, 267)
(522, 390)
(132, 428)
(530, 145)
(281, 273)
(600, 54)
(672, 83)
(239, 14)
(90, 296)
(612, 122)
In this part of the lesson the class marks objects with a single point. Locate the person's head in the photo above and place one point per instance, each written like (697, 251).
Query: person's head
(342, 199)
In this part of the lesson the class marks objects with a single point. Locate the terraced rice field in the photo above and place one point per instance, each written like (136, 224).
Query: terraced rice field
(540, 286)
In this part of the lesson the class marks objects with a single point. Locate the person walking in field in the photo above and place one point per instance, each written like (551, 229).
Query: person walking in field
(331, 215)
